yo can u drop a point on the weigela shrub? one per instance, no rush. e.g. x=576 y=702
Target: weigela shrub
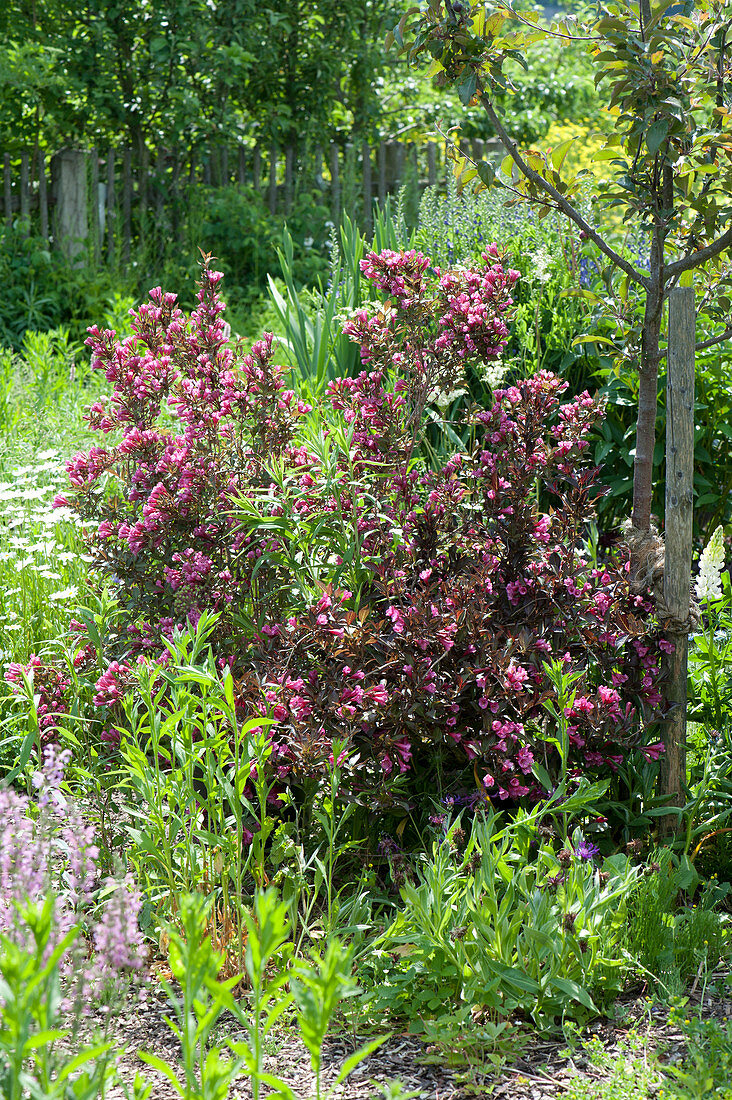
x=424 y=632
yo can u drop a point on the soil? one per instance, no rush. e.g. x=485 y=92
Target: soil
x=543 y=1070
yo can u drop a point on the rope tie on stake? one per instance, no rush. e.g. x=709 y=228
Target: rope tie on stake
x=647 y=559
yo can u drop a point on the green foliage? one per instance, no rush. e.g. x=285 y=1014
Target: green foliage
x=239 y=230
x=667 y=938
x=625 y=1074
x=707 y=1069
x=317 y=988
x=188 y=72
x=506 y=926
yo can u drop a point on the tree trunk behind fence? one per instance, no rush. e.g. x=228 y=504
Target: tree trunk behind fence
x=256 y=168
x=68 y=169
x=242 y=167
x=678 y=537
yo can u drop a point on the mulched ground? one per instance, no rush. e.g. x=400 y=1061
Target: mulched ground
x=543 y=1070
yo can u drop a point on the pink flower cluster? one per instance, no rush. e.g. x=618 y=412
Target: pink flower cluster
x=49 y=687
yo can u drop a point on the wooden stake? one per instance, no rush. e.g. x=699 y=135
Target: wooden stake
x=678 y=536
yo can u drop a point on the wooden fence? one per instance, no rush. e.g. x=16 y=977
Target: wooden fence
x=103 y=204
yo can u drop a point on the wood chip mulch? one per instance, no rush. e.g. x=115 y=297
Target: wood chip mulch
x=542 y=1071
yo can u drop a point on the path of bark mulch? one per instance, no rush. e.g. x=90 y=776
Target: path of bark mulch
x=543 y=1070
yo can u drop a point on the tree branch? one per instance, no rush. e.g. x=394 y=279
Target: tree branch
x=704 y=344
x=566 y=207
x=695 y=259
x=714 y=340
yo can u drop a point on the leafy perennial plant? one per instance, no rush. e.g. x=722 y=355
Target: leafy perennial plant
x=419 y=613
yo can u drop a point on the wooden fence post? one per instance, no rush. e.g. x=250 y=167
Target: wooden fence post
x=42 y=193
x=381 y=172
x=335 y=185
x=25 y=192
x=95 y=212
x=289 y=168
x=431 y=164
x=111 y=206
x=678 y=537
x=126 y=205
x=72 y=226
x=7 y=192
x=367 y=191
x=273 y=179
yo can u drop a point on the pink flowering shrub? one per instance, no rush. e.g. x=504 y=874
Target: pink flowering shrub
x=424 y=634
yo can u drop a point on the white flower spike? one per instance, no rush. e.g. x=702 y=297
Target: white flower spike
x=709 y=581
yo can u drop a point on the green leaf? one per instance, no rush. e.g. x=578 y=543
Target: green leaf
x=358 y=1056
x=466 y=88
x=656 y=135
x=575 y=991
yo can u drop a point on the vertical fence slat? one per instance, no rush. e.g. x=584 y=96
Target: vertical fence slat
x=42 y=193
x=678 y=535
x=95 y=219
x=431 y=164
x=381 y=168
x=160 y=188
x=367 y=193
x=401 y=156
x=111 y=207
x=7 y=192
x=272 y=194
x=175 y=219
x=126 y=205
x=25 y=190
x=335 y=185
x=289 y=166
x=143 y=193
x=71 y=217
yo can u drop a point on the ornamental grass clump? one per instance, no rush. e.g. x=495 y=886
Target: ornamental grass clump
x=360 y=593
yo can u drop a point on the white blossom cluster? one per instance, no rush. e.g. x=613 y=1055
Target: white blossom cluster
x=711 y=563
